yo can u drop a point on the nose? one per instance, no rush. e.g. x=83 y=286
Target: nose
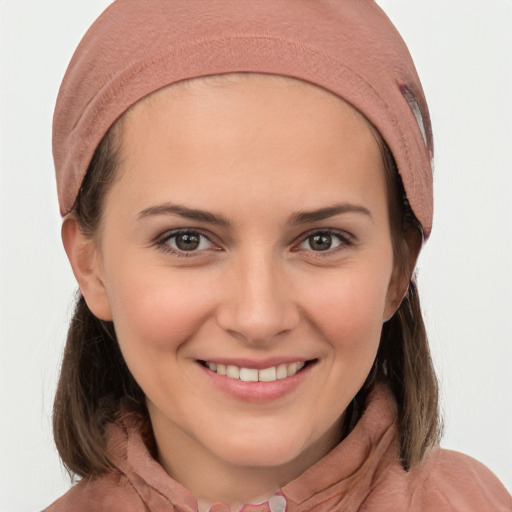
x=258 y=303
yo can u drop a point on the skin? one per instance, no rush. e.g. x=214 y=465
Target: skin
x=256 y=152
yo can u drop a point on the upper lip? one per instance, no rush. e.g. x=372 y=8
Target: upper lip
x=256 y=364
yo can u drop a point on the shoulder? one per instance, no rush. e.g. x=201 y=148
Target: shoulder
x=102 y=494
x=452 y=481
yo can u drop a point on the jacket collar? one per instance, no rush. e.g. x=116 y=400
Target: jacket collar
x=343 y=477
x=346 y=474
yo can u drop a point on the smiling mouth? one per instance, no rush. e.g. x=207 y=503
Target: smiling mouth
x=270 y=374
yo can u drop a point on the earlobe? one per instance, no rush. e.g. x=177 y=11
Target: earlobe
x=395 y=299
x=82 y=253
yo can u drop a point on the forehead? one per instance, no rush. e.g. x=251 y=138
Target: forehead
x=252 y=131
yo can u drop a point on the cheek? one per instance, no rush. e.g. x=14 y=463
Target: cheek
x=153 y=312
x=349 y=310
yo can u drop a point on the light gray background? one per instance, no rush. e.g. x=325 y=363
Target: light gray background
x=462 y=49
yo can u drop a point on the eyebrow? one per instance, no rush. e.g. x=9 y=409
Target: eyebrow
x=301 y=217
x=325 y=213
x=183 y=211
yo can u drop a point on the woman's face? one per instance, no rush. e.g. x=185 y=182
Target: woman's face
x=247 y=233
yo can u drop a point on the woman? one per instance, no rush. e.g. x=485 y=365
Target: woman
x=249 y=331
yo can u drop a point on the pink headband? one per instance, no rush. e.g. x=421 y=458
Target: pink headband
x=346 y=46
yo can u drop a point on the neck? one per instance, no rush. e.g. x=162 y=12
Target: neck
x=212 y=479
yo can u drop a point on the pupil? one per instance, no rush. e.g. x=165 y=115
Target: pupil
x=320 y=242
x=187 y=242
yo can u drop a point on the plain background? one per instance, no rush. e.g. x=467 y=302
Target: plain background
x=462 y=49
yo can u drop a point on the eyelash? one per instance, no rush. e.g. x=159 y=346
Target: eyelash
x=163 y=242
x=345 y=240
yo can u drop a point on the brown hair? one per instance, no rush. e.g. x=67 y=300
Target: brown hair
x=403 y=360
x=95 y=383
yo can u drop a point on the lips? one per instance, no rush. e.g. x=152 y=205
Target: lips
x=257 y=381
x=270 y=374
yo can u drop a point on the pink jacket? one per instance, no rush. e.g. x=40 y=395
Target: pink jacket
x=361 y=474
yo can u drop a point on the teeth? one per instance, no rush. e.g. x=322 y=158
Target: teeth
x=248 y=375
x=282 y=371
x=252 y=375
x=233 y=372
x=292 y=369
x=268 y=374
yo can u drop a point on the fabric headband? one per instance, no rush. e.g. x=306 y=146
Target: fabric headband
x=349 y=47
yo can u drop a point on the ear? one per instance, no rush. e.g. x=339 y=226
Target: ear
x=82 y=252
x=403 y=271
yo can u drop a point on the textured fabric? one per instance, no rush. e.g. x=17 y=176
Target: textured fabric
x=361 y=474
x=349 y=47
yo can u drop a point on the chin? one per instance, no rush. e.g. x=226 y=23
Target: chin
x=262 y=455
x=273 y=446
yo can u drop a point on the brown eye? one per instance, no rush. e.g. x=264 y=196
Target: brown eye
x=320 y=242
x=188 y=241
x=323 y=241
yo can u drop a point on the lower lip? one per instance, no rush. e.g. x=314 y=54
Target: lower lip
x=257 y=391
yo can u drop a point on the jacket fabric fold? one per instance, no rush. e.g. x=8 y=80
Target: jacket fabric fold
x=363 y=473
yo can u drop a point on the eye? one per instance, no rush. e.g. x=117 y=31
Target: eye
x=322 y=241
x=187 y=241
